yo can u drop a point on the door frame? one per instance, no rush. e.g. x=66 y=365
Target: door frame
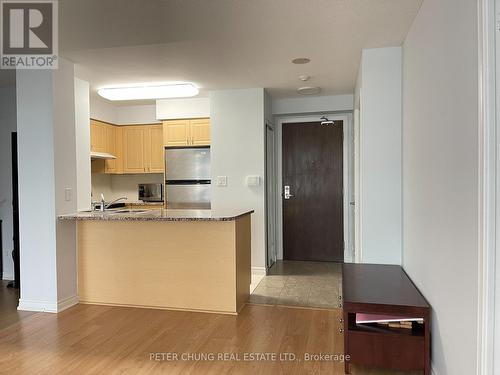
x=348 y=170
x=488 y=322
x=270 y=196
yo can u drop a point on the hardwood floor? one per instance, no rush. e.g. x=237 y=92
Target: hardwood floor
x=89 y=339
x=9 y=299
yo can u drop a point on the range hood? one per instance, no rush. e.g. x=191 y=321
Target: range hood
x=101 y=156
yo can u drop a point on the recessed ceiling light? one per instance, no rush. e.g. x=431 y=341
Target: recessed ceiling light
x=301 y=60
x=309 y=90
x=304 y=77
x=149 y=91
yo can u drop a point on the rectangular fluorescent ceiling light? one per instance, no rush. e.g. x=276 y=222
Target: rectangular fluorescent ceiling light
x=149 y=91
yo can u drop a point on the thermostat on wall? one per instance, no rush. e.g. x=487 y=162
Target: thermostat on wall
x=253 y=181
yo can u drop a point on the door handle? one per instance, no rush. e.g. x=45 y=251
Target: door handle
x=287 y=194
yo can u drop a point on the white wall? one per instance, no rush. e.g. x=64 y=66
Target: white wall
x=380 y=156
x=101 y=184
x=237 y=150
x=440 y=174
x=66 y=180
x=182 y=108
x=47 y=165
x=136 y=114
x=116 y=186
x=37 y=226
x=7 y=126
x=313 y=104
x=104 y=110
x=122 y=114
x=82 y=123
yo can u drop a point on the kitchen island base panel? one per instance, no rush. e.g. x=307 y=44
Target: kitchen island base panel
x=198 y=265
x=160 y=308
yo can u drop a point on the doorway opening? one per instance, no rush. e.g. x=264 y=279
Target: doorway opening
x=310 y=172
x=319 y=194
x=9 y=290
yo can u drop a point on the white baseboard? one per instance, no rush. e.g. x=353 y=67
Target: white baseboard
x=47 y=306
x=38 y=306
x=67 y=303
x=8 y=276
x=433 y=370
x=259 y=271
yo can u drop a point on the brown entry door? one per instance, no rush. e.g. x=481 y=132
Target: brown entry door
x=313 y=226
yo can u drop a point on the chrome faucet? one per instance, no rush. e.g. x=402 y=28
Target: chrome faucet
x=114 y=201
x=103 y=203
x=105 y=206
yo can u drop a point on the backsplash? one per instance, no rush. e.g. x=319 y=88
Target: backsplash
x=115 y=186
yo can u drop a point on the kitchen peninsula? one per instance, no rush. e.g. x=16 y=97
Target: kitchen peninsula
x=196 y=260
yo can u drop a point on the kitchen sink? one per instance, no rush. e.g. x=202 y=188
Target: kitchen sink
x=127 y=211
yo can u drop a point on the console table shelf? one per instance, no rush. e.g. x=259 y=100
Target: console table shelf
x=384 y=290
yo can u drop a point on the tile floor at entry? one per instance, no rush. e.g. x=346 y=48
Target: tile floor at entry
x=297 y=283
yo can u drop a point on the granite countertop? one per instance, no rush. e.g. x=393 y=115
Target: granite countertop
x=158 y=215
x=139 y=203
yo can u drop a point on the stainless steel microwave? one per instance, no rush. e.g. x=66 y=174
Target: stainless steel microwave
x=151 y=192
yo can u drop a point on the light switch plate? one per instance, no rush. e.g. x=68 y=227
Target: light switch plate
x=221 y=181
x=67 y=194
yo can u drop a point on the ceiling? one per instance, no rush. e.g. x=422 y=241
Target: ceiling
x=228 y=44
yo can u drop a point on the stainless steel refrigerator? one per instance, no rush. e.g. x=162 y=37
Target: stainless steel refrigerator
x=187 y=177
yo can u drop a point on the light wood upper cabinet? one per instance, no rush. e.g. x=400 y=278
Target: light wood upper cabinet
x=114 y=138
x=97 y=136
x=138 y=148
x=194 y=132
x=176 y=132
x=154 y=149
x=111 y=165
x=200 y=132
x=134 y=160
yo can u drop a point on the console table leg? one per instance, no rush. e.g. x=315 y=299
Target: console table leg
x=427 y=345
x=347 y=365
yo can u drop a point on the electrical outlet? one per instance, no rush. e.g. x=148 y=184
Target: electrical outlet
x=221 y=181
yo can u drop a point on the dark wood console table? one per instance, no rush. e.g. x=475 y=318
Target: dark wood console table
x=384 y=290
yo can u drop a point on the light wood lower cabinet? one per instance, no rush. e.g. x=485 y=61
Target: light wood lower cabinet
x=190 y=132
x=209 y=271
